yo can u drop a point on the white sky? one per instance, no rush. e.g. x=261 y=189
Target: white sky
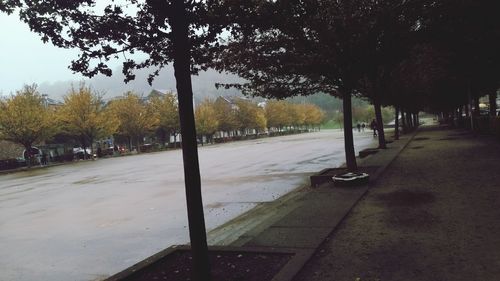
x=25 y=59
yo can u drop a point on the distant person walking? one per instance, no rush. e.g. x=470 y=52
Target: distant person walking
x=374 y=126
x=359 y=127
x=363 y=127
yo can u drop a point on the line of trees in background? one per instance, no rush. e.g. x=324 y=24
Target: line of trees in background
x=414 y=55
x=85 y=118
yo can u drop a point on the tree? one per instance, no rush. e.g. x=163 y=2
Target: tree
x=389 y=25
x=206 y=119
x=296 y=114
x=250 y=116
x=166 y=112
x=314 y=116
x=164 y=31
x=276 y=115
x=319 y=49
x=226 y=115
x=135 y=118
x=84 y=117
x=24 y=119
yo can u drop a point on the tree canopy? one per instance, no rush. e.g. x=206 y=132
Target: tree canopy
x=84 y=117
x=411 y=54
x=25 y=118
x=164 y=32
x=324 y=46
x=166 y=114
x=206 y=119
x=135 y=117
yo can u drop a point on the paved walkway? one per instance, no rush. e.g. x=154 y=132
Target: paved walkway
x=433 y=215
x=431 y=212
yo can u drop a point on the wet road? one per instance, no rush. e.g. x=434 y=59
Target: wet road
x=88 y=220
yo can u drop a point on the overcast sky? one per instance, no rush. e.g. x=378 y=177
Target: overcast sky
x=25 y=59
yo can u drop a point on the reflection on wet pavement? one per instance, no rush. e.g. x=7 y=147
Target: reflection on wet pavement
x=90 y=219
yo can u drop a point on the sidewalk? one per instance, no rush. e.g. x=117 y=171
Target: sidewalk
x=433 y=215
x=430 y=212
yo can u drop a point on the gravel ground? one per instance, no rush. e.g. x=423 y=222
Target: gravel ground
x=433 y=215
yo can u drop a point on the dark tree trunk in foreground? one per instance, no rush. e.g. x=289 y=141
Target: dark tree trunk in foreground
x=408 y=120
x=493 y=103
x=380 y=124
x=403 y=119
x=415 y=120
x=396 y=124
x=350 y=156
x=197 y=231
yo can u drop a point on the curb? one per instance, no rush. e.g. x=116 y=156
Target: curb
x=302 y=224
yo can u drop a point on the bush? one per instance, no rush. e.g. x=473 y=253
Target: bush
x=495 y=126
x=482 y=124
x=9 y=164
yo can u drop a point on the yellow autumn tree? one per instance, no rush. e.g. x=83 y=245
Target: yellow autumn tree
x=297 y=114
x=84 y=117
x=135 y=118
x=276 y=114
x=250 y=116
x=166 y=113
x=25 y=119
x=206 y=119
x=314 y=116
x=226 y=115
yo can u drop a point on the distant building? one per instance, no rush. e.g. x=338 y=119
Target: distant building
x=231 y=101
x=51 y=103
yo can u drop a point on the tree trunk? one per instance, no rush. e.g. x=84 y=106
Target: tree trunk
x=476 y=107
x=196 y=220
x=84 y=146
x=350 y=156
x=163 y=138
x=92 y=148
x=85 y=155
x=403 y=119
x=28 y=156
x=396 y=124
x=380 y=123
x=459 y=117
x=408 y=121
x=471 y=113
x=415 y=122
x=493 y=103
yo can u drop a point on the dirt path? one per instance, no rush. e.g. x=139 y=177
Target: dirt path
x=434 y=215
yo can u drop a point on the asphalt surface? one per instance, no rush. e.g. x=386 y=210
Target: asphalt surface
x=88 y=220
